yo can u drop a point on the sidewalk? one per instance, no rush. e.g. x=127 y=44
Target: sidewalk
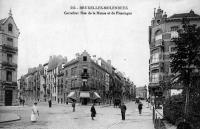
x=136 y=121
x=7 y=117
x=9 y=113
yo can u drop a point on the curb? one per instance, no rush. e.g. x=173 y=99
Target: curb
x=19 y=118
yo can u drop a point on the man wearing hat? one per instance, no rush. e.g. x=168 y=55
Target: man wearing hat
x=123 y=110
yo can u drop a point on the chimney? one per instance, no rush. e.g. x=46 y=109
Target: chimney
x=109 y=62
x=154 y=12
x=77 y=55
x=94 y=58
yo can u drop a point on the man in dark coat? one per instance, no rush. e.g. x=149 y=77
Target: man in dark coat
x=140 y=107
x=73 y=106
x=50 y=103
x=93 y=112
x=123 y=111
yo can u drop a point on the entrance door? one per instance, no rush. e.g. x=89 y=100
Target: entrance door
x=85 y=101
x=8 y=97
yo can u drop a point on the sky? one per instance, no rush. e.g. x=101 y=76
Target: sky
x=45 y=30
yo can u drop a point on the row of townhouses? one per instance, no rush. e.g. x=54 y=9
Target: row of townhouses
x=161 y=32
x=59 y=78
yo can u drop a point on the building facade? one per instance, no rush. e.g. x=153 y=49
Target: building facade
x=161 y=32
x=86 y=76
x=141 y=92
x=53 y=76
x=9 y=34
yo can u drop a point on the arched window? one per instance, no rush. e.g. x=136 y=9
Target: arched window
x=10 y=27
x=158 y=35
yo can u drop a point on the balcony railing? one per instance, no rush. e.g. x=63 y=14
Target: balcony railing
x=9 y=64
x=9 y=83
x=158 y=43
x=9 y=47
x=84 y=75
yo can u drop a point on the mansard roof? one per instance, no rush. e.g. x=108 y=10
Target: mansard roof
x=181 y=15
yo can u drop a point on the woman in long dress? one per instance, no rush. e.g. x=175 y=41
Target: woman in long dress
x=35 y=113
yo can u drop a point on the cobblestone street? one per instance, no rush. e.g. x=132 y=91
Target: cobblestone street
x=61 y=116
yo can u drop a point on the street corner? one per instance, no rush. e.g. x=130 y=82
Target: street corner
x=8 y=117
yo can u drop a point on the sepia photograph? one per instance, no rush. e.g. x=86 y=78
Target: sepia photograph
x=99 y=64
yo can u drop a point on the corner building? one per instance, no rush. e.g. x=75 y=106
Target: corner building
x=9 y=34
x=84 y=75
x=161 y=32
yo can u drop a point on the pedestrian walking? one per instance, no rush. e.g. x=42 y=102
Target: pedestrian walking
x=93 y=112
x=50 y=103
x=123 y=110
x=35 y=113
x=73 y=106
x=23 y=101
x=140 y=107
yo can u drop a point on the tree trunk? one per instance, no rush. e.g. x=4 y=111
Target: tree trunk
x=186 y=103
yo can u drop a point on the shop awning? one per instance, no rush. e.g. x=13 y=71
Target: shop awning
x=96 y=95
x=84 y=95
x=72 y=95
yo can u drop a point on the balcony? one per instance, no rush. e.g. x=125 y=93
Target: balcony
x=60 y=74
x=9 y=65
x=84 y=75
x=156 y=61
x=156 y=44
x=9 y=48
x=9 y=84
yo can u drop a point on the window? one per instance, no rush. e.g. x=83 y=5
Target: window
x=174 y=34
x=9 y=58
x=10 y=27
x=172 y=49
x=66 y=73
x=9 y=39
x=155 y=77
x=155 y=58
x=170 y=70
x=158 y=37
x=58 y=81
x=84 y=58
x=9 y=76
x=174 y=28
x=84 y=70
x=72 y=83
x=158 y=21
x=73 y=71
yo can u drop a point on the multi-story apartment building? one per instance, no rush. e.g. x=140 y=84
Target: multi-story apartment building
x=32 y=85
x=60 y=84
x=44 y=85
x=54 y=68
x=141 y=92
x=9 y=34
x=161 y=32
x=85 y=75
